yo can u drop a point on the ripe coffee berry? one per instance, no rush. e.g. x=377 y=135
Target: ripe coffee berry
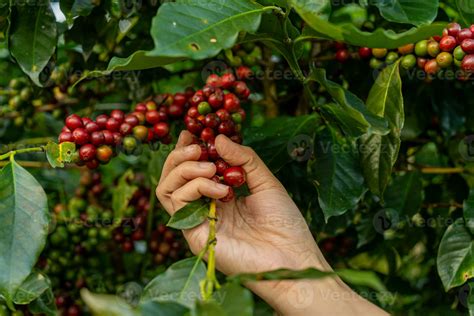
x=431 y=67
x=243 y=72
x=175 y=110
x=216 y=99
x=108 y=137
x=223 y=115
x=453 y=29
x=221 y=166
x=97 y=138
x=207 y=134
x=81 y=136
x=447 y=43
x=131 y=119
x=87 y=152
x=468 y=63
x=468 y=46
x=342 y=55
x=112 y=125
x=161 y=129
x=73 y=121
x=92 y=127
x=227 y=80
x=118 y=115
x=104 y=153
x=229 y=197
x=66 y=137
x=464 y=34
x=406 y=49
x=141 y=107
x=365 y=52
x=231 y=102
x=227 y=128
x=101 y=120
x=212 y=120
x=125 y=129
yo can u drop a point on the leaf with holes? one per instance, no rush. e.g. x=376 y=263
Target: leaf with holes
x=200 y=29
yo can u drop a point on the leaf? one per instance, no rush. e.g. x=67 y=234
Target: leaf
x=280 y=274
x=379 y=153
x=455 y=260
x=235 y=300
x=469 y=211
x=179 y=283
x=418 y=12
x=34 y=285
x=57 y=155
x=208 y=308
x=33 y=38
x=74 y=8
x=152 y=308
x=107 y=305
x=45 y=304
x=190 y=215
x=362 y=278
x=157 y=160
x=200 y=29
x=24 y=218
x=277 y=151
x=351 y=112
x=122 y=195
x=336 y=173
x=405 y=194
x=466 y=11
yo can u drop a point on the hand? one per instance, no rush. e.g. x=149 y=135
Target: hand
x=261 y=232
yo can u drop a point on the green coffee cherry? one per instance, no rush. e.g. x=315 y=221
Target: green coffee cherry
x=459 y=53
x=391 y=58
x=129 y=144
x=421 y=48
x=375 y=63
x=204 y=108
x=433 y=48
x=379 y=52
x=408 y=61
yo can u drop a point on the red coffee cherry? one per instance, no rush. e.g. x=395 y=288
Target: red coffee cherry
x=227 y=128
x=73 y=121
x=197 y=98
x=113 y=125
x=342 y=55
x=108 y=137
x=152 y=117
x=234 y=176
x=227 y=80
x=81 y=136
x=175 y=110
x=453 y=29
x=204 y=155
x=87 y=152
x=229 y=197
x=468 y=63
x=207 y=134
x=66 y=137
x=92 y=127
x=214 y=80
x=117 y=138
x=212 y=151
x=140 y=107
x=216 y=99
x=131 y=119
x=207 y=90
x=231 y=102
x=180 y=99
x=161 y=129
x=125 y=129
x=101 y=120
x=223 y=115
x=194 y=126
x=241 y=89
x=464 y=34
x=365 y=52
x=432 y=67
x=243 y=72
x=118 y=115
x=468 y=46
x=97 y=138
x=448 y=44
x=212 y=120
x=221 y=166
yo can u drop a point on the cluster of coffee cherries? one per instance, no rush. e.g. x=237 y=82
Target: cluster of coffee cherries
x=216 y=109
x=454 y=48
x=99 y=140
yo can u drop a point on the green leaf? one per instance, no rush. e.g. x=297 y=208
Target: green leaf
x=280 y=274
x=179 y=283
x=456 y=256
x=45 y=304
x=408 y=11
x=379 y=153
x=74 y=8
x=57 y=155
x=122 y=195
x=33 y=38
x=24 y=218
x=469 y=211
x=157 y=160
x=276 y=152
x=152 y=308
x=466 y=11
x=200 y=29
x=336 y=173
x=107 y=305
x=362 y=278
x=190 y=216
x=470 y=299
x=34 y=285
x=405 y=194
x=208 y=308
x=351 y=113
x=235 y=300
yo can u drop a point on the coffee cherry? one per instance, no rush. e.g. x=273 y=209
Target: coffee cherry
x=229 y=196
x=365 y=52
x=65 y=137
x=108 y=137
x=74 y=310
x=406 y=49
x=117 y=138
x=468 y=46
x=241 y=89
x=464 y=34
x=444 y=59
x=150 y=106
x=97 y=138
x=221 y=166
x=197 y=98
x=87 y=152
x=243 y=72
x=112 y=125
x=131 y=119
x=227 y=80
x=152 y=117
x=391 y=58
x=141 y=117
x=104 y=153
x=127 y=246
x=214 y=80
x=140 y=132
x=447 y=43
x=408 y=61
x=468 y=63
x=101 y=120
x=453 y=29
x=193 y=112
x=73 y=121
x=92 y=127
x=141 y=107
x=129 y=144
x=175 y=110
x=204 y=155
x=227 y=128
x=379 y=52
x=125 y=129
x=421 y=48
x=223 y=115
x=234 y=176
x=421 y=62
x=431 y=67
x=216 y=99
x=459 y=53
x=212 y=120
x=342 y=55
x=212 y=151
x=81 y=136
x=231 y=102
x=194 y=126
x=433 y=48
x=375 y=63
x=118 y=115
x=204 y=108
x=207 y=90
x=207 y=134
x=161 y=129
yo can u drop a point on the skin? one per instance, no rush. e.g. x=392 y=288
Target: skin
x=261 y=232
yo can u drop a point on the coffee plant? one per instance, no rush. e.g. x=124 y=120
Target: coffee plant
x=364 y=110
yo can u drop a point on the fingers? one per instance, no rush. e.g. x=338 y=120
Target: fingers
x=259 y=177
x=183 y=152
x=195 y=189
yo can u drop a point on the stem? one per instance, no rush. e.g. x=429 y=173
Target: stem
x=208 y=284
x=442 y=170
x=21 y=151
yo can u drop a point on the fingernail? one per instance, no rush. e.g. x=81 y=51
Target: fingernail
x=205 y=165
x=190 y=149
x=222 y=187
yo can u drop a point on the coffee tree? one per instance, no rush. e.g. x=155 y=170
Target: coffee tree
x=362 y=109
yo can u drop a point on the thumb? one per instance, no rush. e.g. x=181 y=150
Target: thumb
x=259 y=177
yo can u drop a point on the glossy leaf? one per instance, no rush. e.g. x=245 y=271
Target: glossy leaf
x=201 y=29
x=34 y=285
x=456 y=256
x=45 y=304
x=24 y=218
x=152 y=308
x=336 y=173
x=235 y=300
x=208 y=308
x=378 y=152
x=122 y=195
x=190 y=216
x=408 y=11
x=362 y=278
x=276 y=152
x=107 y=305
x=466 y=11
x=280 y=274
x=405 y=194
x=469 y=211
x=179 y=283
x=351 y=112
x=33 y=38
x=74 y=8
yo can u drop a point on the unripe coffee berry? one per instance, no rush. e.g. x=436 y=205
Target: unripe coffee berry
x=444 y=59
x=406 y=49
x=391 y=58
x=379 y=52
x=104 y=153
x=433 y=48
x=459 y=53
x=204 y=108
x=421 y=48
x=408 y=61
x=140 y=132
